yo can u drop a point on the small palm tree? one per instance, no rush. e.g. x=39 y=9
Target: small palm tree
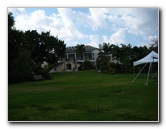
x=106 y=48
x=102 y=61
x=80 y=49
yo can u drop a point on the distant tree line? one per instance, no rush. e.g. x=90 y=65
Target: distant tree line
x=27 y=51
x=122 y=57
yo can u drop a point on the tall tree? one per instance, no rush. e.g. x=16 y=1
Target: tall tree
x=102 y=62
x=19 y=64
x=106 y=48
x=45 y=47
x=60 y=49
x=116 y=52
x=11 y=21
x=55 y=48
x=154 y=45
x=35 y=46
x=29 y=49
x=126 y=51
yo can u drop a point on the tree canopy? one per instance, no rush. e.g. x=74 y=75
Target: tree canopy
x=120 y=58
x=27 y=50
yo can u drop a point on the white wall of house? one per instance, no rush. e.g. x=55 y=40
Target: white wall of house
x=95 y=54
x=66 y=66
x=72 y=60
x=89 y=56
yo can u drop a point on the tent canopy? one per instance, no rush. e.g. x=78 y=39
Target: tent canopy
x=151 y=57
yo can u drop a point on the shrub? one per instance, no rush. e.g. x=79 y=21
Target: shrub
x=109 y=68
x=118 y=68
x=20 y=68
x=86 y=65
x=45 y=74
x=19 y=76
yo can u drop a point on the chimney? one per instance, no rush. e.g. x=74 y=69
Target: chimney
x=100 y=46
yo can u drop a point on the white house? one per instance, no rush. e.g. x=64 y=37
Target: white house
x=73 y=60
x=90 y=54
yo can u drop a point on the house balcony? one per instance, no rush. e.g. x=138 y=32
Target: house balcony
x=73 y=57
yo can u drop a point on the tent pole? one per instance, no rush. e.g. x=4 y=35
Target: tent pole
x=139 y=73
x=154 y=75
x=146 y=83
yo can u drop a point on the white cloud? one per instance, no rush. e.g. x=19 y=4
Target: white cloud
x=110 y=24
x=60 y=25
x=137 y=21
x=66 y=16
x=17 y=11
x=132 y=24
x=94 y=40
x=106 y=39
x=152 y=37
x=116 y=38
x=70 y=34
x=68 y=31
x=38 y=20
x=97 y=17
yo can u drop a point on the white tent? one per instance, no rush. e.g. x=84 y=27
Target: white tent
x=150 y=58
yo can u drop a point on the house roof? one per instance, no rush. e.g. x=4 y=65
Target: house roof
x=88 y=48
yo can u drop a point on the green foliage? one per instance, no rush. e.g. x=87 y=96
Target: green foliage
x=27 y=50
x=103 y=63
x=44 y=47
x=106 y=48
x=10 y=21
x=118 y=68
x=154 y=45
x=44 y=72
x=80 y=49
x=110 y=68
x=21 y=68
x=123 y=56
x=86 y=65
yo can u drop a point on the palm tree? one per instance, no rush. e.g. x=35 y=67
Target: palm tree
x=106 y=48
x=102 y=61
x=80 y=49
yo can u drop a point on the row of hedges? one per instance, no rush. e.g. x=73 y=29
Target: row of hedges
x=119 y=68
x=19 y=76
x=24 y=75
x=86 y=65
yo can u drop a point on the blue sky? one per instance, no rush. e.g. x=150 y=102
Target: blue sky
x=92 y=26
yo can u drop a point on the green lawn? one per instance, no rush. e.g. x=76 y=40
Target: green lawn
x=84 y=96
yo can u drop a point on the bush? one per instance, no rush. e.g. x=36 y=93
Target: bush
x=45 y=74
x=86 y=65
x=118 y=68
x=20 y=68
x=109 y=68
x=19 y=76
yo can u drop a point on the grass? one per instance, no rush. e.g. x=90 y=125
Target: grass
x=84 y=96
